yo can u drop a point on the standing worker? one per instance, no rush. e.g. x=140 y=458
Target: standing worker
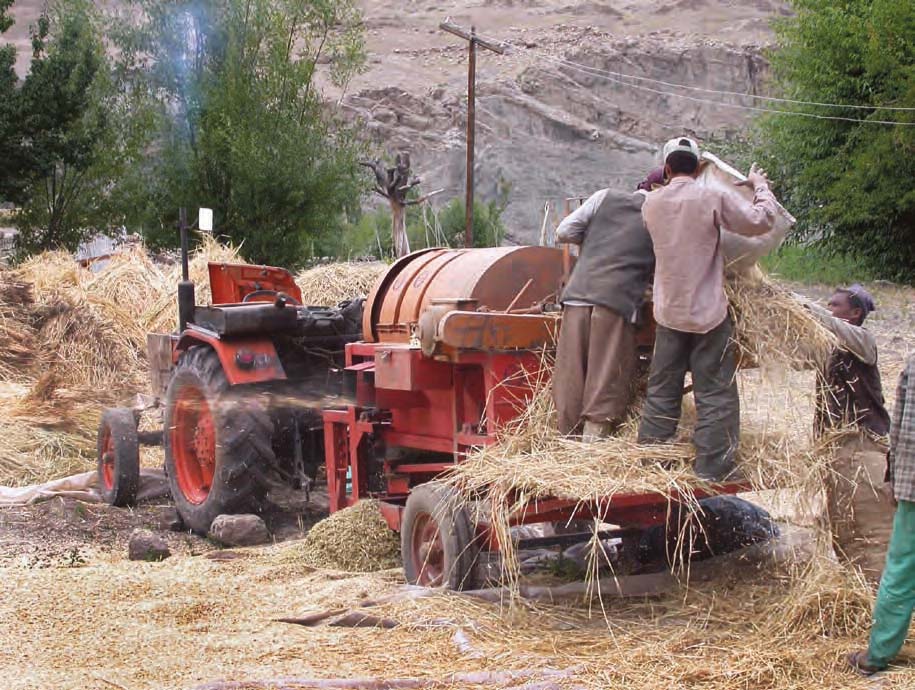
x=896 y=596
x=596 y=358
x=685 y=221
x=850 y=395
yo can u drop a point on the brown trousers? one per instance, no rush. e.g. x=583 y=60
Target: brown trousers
x=596 y=364
x=860 y=514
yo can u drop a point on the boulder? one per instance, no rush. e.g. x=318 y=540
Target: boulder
x=145 y=545
x=239 y=530
x=170 y=521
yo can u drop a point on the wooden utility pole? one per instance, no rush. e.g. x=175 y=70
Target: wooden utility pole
x=394 y=184
x=472 y=42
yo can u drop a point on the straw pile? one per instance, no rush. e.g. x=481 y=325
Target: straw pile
x=77 y=339
x=772 y=329
x=331 y=284
x=355 y=539
x=74 y=342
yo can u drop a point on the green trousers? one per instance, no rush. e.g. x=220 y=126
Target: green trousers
x=896 y=596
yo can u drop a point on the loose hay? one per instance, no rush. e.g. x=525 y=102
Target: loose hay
x=532 y=461
x=330 y=284
x=355 y=539
x=772 y=329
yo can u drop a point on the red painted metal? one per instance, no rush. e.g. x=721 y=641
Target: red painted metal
x=193 y=442
x=108 y=459
x=428 y=550
x=491 y=277
x=231 y=283
x=419 y=410
x=269 y=367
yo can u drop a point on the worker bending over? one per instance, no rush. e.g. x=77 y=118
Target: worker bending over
x=694 y=331
x=896 y=596
x=596 y=358
x=850 y=395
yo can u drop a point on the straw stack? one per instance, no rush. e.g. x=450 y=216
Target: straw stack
x=330 y=284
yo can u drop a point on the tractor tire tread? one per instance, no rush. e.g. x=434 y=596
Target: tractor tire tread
x=244 y=450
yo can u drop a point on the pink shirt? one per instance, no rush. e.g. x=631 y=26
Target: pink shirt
x=684 y=220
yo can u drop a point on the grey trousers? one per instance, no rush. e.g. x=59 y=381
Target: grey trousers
x=596 y=364
x=713 y=363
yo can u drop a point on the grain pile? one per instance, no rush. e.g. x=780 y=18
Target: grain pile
x=74 y=342
x=355 y=539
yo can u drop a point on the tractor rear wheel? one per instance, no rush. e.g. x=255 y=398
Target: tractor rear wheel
x=118 y=457
x=217 y=442
x=437 y=539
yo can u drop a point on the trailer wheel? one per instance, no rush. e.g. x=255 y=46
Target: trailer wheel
x=436 y=539
x=118 y=457
x=217 y=443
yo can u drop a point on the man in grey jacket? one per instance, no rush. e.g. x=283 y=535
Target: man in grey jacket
x=850 y=396
x=596 y=359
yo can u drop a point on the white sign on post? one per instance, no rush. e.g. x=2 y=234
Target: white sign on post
x=205 y=220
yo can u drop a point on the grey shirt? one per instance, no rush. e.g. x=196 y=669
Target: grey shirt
x=616 y=260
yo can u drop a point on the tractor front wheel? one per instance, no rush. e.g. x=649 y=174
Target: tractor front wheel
x=217 y=442
x=118 y=457
x=437 y=539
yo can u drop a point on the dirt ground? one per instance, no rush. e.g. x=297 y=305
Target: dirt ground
x=75 y=613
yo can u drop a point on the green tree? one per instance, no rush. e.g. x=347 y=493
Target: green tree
x=10 y=138
x=243 y=126
x=65 y=127
x=849 y=183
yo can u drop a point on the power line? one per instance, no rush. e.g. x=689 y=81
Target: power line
x=772 y=99
x=619 y=77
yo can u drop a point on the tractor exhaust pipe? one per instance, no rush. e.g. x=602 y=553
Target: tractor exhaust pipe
x=185 y=287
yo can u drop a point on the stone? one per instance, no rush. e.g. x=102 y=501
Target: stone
x=239 y=530
x=170 y=521
x=145 y=545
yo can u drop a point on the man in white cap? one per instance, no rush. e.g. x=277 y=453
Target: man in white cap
x=694 y=331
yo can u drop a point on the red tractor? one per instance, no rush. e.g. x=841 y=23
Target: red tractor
x=446 y=349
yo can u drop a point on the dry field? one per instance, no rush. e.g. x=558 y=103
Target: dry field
x=77 y=614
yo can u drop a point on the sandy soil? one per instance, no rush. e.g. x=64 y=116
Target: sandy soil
x=75 y=613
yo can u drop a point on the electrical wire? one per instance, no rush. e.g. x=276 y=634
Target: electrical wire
x=619 y=78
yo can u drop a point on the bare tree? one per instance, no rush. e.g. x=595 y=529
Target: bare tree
x=394 y=184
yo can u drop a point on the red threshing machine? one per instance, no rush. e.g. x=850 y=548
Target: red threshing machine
x=450 y=347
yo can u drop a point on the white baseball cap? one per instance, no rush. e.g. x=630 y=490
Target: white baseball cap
x=680 y=144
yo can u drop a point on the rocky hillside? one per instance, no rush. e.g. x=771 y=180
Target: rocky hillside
x=547 y=129
x=544 y=129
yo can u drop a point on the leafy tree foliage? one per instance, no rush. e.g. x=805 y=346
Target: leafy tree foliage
x=370 y=234
x=10 y=140
x=60 y=130
x=849 y=182
x=242 y=126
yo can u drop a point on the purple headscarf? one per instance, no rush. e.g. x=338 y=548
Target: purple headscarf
x=654 y=178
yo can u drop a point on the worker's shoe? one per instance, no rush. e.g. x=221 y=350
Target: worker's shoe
x=718 y=470
x=861 y=665
x=596 y=431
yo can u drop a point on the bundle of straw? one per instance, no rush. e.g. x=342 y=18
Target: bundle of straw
x=17 y=334
x=33 y=451
x=772 y=329
x=330 y=284
x=532 y=461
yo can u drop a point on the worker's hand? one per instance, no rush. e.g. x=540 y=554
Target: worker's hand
x=756 y=177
